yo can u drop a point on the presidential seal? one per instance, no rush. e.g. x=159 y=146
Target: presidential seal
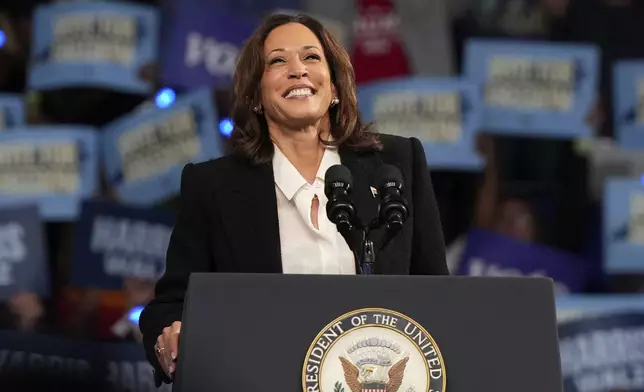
x=373 y=350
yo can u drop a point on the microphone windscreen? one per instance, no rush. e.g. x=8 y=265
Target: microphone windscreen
x=389 y=174
x=337 y=176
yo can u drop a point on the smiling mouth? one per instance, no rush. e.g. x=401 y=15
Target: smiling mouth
x=298 y=93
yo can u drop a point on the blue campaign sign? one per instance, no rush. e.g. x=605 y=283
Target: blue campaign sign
x=146 y=151
x=201 y=42
x=444 y=114
x=115 y=242
x=623 y=226
x=23 y=258
x=127 y=369
x=628 y=104
x=32 y=362
x=577 y=306
x=603 y=353
x=534 y=89
x=37 y=362
x=54 y=166
x=489 y=254
x=12 y=111
x=101 y=45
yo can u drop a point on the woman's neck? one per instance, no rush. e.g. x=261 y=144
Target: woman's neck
x=302 y=148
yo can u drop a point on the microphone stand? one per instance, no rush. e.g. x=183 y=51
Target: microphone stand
x=366 y=251
x=368 y=257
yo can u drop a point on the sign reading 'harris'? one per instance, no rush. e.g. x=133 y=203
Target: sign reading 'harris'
x=114 y=242
x=375 y=350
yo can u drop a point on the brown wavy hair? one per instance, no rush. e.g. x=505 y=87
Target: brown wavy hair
x=250 y=136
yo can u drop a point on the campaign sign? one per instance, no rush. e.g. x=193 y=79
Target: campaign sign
x=54 y=166
x=115 y=242
x=444 y=114
x=628 y=104
x=534 y=89
x=93 y=45
x=30 y=362
x=146 y=151
x=45 y=363
x=127 y=369
x=201 y=44
x=603 y=353
x=12 y=111
x=623 y=212
x=578 y=306
x=490 y=254
x=23 y=264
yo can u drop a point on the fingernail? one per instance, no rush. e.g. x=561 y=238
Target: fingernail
x=171 y=369
x=174 y=356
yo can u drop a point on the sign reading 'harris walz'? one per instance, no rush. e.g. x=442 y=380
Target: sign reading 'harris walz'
x=146 y=151
x=373 y=350
x=114 y=242
x=93 y=45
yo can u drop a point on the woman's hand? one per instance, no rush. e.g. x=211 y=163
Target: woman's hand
x=167 y=347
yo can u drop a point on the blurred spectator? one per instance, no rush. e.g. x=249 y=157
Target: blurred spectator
x=510 y=216
x=24 y=311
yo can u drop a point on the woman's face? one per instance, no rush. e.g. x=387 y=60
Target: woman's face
x=296 y=87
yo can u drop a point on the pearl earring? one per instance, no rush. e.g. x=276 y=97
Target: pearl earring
x=335 y=101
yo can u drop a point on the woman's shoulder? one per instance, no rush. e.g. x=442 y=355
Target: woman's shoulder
x=398 y=148
x=214 y=169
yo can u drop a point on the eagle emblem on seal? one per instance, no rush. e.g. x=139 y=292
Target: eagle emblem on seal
x=375 y=372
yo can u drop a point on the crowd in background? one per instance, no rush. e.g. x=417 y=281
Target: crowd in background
x=538 y=190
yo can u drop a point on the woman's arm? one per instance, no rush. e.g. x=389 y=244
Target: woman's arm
x=187 y=253
x=428 y=244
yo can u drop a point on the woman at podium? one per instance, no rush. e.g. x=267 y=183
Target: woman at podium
x=264 y=209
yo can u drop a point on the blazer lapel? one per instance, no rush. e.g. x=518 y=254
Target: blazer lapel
x=249 y=217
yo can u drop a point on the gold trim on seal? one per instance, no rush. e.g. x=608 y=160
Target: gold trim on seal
x=374 y=310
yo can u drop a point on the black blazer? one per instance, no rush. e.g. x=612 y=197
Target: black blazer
x=228 y=223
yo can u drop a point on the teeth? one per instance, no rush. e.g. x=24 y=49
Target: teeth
x=300 y=92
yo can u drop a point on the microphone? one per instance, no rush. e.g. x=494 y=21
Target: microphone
x=338 y=184
x=393 y=206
